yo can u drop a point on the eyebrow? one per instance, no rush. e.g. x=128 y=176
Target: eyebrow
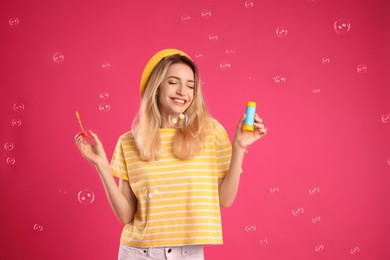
x=180 y=78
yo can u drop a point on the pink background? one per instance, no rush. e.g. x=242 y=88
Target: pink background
x=316 y=187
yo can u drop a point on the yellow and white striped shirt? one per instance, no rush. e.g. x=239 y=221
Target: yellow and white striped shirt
x=177 y=200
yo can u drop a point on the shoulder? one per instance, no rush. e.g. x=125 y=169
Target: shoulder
x=126 y=137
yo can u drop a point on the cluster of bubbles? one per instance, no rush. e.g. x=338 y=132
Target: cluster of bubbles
x=104 y=106
x=16 y=122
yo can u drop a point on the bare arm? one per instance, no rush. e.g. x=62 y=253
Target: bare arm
x=122 y=199
x=228 y=186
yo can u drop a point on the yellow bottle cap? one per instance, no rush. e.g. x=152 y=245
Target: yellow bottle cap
x=251 y=104
x=248 y=128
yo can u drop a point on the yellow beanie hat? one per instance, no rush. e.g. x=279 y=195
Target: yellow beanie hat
x=152 y=64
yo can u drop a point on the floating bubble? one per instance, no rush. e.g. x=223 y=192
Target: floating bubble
x=106 y=65
x=104 y=107
x=316 y=91
x=263 y=242
x=314 y=190
x=13 y=21
x=8 y=146
x=250 y=228
x=104 y=96
x=38 y=228
x=325 y=60
x=355 y=250
x=361 y=68
x=213 y=37
x=319 y=248
x=225 y=66
x=274 y=190
x=281 y=32
x=206 y=14
x=63 y=191
x=16 y=122
x=58 y=57
x=385 y=118
x=185 y=18
x=152 y=193
x=248 y=4
x=316 y=220
x=10 y=160
x=177 y=121
x=18 y=107
x=280 y=80
x=86 y=197
x=230 y=51
x=199 y=56
x=297 y=211
x=342 y=26
x=388 y=160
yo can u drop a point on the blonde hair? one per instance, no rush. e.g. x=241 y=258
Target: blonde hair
x=188 y=140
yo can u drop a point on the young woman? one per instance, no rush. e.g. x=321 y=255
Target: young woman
x=176 y=167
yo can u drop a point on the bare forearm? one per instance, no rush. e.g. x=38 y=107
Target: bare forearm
x=229 y=186
x=119 y=204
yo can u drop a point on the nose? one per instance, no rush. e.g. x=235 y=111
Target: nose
x=180 y=89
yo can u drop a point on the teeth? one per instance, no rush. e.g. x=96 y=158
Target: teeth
x=179 y=101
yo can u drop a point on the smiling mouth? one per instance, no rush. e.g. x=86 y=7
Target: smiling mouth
x=179 y=101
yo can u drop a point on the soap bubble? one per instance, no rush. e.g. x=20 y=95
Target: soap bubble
x=316 y=220
x=213 y=37
x=206 y=14
x=274 y=190
x=86 y=196
x=104 y=107
x=106 y=65
x=316 y=91
x=18 y=107
x=385 y=118
x=8 y=146
x=248 y=4
x=185 y=18
x=325 y=60
x=16 y=122
x=38 y=227
x=13 y=21
x=281 y=31
x=104 y=96
x=319 y=248
x=10 y=160
x=388 y=160
x=58 y=57
x=361 y=68
x=250 y=228
x=297 y=211
x=314 y=190
x=225 y=66
x=342 y=26
x=354 y=250
x=177 y=121
x=152 y=193
x=230 y=51
x=263 y=242
x=199 y=56
x=280 y=80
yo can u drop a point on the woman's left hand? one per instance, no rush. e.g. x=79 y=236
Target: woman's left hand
x=244 y=139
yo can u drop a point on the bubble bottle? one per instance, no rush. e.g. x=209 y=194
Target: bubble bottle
x=250 y=117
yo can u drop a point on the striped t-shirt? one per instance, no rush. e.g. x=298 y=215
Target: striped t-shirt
x=177 y=200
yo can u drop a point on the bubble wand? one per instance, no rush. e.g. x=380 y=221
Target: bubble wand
x=81 y=125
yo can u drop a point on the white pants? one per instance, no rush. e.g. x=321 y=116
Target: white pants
x=190 y=252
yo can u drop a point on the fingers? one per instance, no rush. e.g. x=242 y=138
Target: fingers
x=95 y=137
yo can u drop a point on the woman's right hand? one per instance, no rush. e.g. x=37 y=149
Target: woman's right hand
x=92 y=151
